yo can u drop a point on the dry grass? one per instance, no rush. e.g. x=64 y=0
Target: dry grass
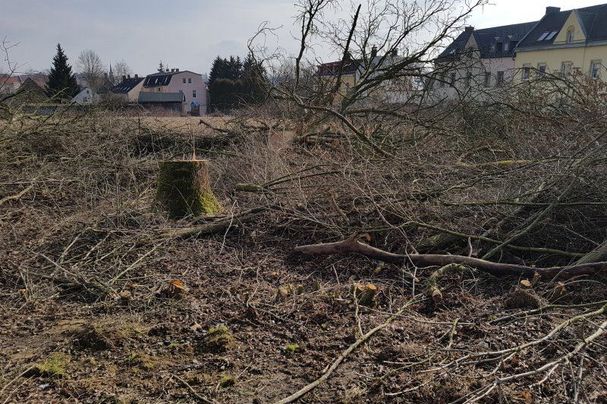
x=86 y=263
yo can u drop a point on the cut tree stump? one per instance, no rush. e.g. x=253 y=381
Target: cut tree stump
x=184 y=189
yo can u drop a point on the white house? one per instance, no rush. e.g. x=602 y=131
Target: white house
x=86 y=97
x=478 y=61
x=174 y=81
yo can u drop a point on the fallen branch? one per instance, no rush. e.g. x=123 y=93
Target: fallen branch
x=214 y=227
x=16 y=196
x=353 y=246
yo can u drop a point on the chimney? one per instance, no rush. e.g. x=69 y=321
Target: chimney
x=128 y=76
x=167 y=71
x=136 y=76
x=373 y=52
x=552 y=10
x=177 y=70
x=394 y=53
x=469 y=29
x=123 y=78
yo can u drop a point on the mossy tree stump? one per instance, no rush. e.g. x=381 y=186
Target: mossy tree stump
x=184 y=189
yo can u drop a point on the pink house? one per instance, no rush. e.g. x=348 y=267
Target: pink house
x=173 y=82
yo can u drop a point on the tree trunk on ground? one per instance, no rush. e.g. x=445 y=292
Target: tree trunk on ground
x=184 y=189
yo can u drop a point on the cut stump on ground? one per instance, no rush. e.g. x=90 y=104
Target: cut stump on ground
x=184 y=189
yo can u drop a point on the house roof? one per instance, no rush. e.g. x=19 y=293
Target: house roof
x=163 y=78
x=487 y=40
x=126 y=85
x=593 y=20
x=332 y=69
x=160 y=98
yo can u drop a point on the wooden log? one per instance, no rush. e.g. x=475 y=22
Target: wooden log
x=353 y=246
x=184 y=189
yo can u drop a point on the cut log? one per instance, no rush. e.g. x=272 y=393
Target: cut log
x=184 y=189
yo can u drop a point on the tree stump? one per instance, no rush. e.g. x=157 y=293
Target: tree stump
x=184 y=189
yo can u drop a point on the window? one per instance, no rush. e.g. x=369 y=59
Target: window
x=184 y=81
x=194 y=93
x=526 y=72
x=190 y=81
x=551 y=35
x=499 y=47
x=566 y=68
x=595 y=69
x=543 y=36
x=506 y=46
x=500 y=79
x=570 y=34
x=487 y=79
x=541 y=68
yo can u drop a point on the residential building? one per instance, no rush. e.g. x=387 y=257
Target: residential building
x=129 y=88
x=174 y=81
x=478 y=60
x=564 y=42
x=86 y=96
x=163 y=102
x=10 y=84
x=397 y=90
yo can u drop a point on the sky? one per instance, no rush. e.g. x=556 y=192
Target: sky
x=185 y=34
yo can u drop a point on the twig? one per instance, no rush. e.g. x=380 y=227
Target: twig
x=297 y=395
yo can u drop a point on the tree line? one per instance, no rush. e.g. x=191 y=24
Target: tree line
x=234 y=83
x=62 y=81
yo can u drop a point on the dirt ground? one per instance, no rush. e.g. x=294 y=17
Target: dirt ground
x=96 y=306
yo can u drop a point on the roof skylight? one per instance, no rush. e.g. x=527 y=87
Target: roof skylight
x=543 y=36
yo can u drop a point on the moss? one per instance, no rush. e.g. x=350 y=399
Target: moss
x=292 y=348
x=54 y=366
x=142 y=361
x=218 y=339
x=227 y=381
x=184 y=189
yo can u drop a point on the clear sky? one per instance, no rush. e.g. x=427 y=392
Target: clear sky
x=182 y=33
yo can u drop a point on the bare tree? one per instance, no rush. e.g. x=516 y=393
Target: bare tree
x=91 y=67
x=121 y=69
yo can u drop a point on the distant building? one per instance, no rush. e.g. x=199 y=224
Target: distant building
x=86 y=97
x=565 y=42
x=30 y=92
x=129 y=88
x=478 y=60
x=174 y=81
x=163 y=102
x=9 y=84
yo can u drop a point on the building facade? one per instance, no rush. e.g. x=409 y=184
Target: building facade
x=565 y=42
x=174 y=81
x=478 y=61
x=128 y=89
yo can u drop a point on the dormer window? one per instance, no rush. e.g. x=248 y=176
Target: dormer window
x=570 y=34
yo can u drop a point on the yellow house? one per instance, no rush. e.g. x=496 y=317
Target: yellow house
x=564 y=42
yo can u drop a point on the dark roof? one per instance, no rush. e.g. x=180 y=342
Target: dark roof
x=160 y=98
x=487 y=40
x=158 y=79
x=126 y=85
x=593 y=20
x=332 y=69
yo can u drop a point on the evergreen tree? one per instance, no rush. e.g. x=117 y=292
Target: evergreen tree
x=233 y=83
x=61 y=81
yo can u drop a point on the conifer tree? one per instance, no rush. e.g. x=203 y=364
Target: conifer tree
x=61 y=81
